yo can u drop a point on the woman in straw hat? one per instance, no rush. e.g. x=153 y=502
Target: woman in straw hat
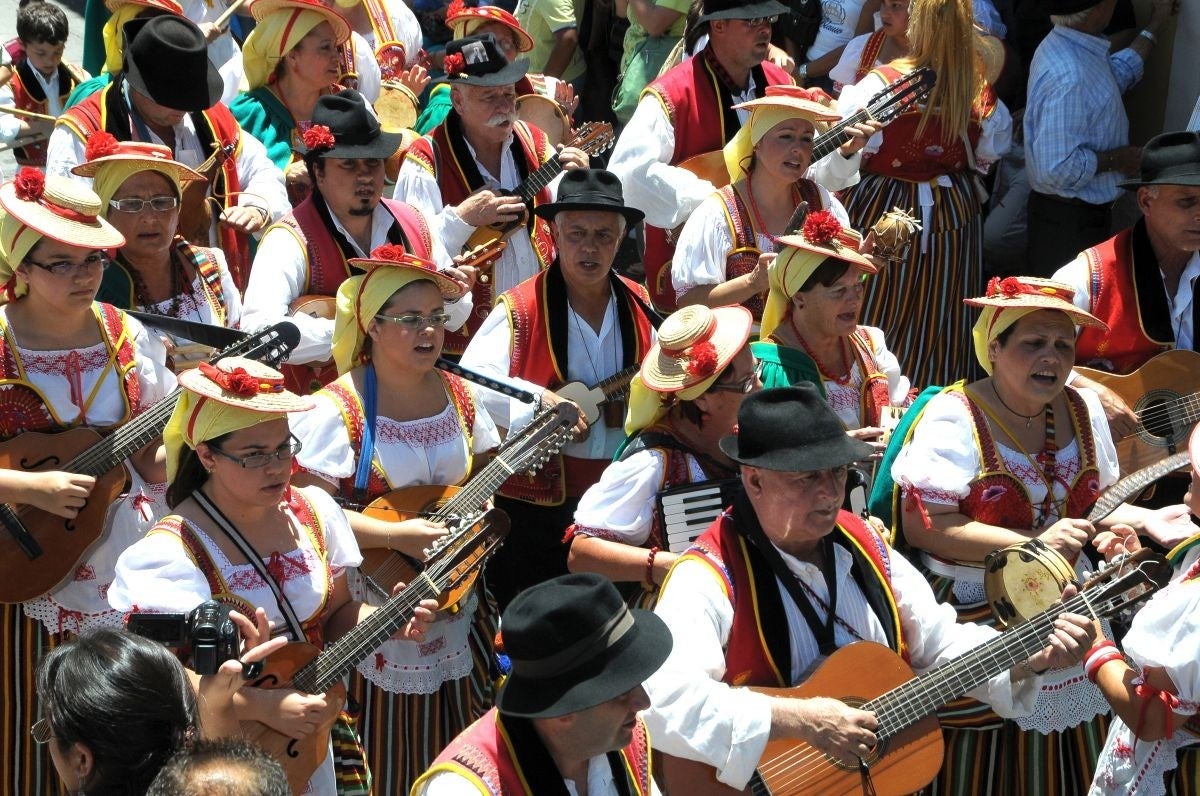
x=810 y=329
x=684 y=399
x=1014 y=456
x=1157 y=691
x=69 y=362
x=292 y=57
x=140 y=188
x=427 y=428
x=725 y=245
x=921 y=161
x=229 y=457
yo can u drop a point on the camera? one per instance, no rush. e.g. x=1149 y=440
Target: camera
x=205 y=637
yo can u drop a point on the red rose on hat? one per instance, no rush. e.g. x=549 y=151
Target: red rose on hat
x=454 y=64
x=390 y=252
x=319 y=137
x=702 y=360
x=821 y=227
x=30 y=184
x=101 y=144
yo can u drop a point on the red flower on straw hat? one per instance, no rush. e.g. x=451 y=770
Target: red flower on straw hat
x=454 y=64
x=821 y=227
x=101 y=144
x=391 y=253
x=30 y=184
x=702 y=360
x=455 y=8
x=319 y=137
x=1008 y=287
x=236 y=381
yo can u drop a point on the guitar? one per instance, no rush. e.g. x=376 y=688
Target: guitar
x=38 y=550
x=1165 y=395
x=591 y=399
x=592 y=137
x=872 y=677
x=891 y=101
x=545 y=436
x=453 y=565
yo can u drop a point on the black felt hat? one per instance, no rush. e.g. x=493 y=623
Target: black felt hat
x=574 y=644
x=166 y=58
x=1169 y=159
x=355 y=128
x=590 y=189
x=479 y=61
x=791 y=429
x=740 y=9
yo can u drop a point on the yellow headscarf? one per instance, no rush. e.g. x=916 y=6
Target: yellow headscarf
x=786 y=275
x=274 y=37
x=16 y=241
x=780 y=104
x=114 y=39
x=648 y=406
x=991 y=324
x=198 y=418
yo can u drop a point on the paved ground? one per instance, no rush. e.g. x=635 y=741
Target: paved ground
x=8 y=24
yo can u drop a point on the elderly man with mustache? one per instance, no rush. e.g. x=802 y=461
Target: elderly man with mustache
x=463 y=172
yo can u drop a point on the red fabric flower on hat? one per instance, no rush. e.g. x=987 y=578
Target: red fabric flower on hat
x=454 y=64
x=702 y=360
x=101 y=144
x=1008 y=287
x=319 y=137
x=455 y=8
x=821 y=227
x=390 y=252
x=236 y=381
x=30 y=184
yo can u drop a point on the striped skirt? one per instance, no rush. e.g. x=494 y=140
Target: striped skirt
x=987 y=754
x=918 y=302
x=25 y=767
x=403 y=733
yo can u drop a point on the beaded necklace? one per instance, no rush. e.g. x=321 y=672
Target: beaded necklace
x=825 y=372
x=1044 y=463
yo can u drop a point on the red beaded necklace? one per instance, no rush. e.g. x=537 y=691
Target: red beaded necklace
x=825 y=372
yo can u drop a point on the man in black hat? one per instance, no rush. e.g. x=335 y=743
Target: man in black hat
x=464 y=171
x=566 y=719
x=689 y=112
x=576 y=321
x=168 y=92
x=1076 y=131
x=750 y=603
x=345 y=216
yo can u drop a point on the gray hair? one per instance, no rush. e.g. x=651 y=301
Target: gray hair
x=1071 y=20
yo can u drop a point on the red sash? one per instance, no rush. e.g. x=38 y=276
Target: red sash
x=875 y=393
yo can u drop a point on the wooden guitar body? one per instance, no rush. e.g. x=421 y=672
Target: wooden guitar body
x=1165 y=395
x=854 y=674
x=387 y=567
x=300 y=758
x=314 y=306
x=62 y=541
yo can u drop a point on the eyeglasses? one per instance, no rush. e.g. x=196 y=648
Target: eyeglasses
x=284 y=453
x=66 y=267
x=41 y=731
x=159 y=204
x=415 y=322
x=745 y=386
x=757 y=22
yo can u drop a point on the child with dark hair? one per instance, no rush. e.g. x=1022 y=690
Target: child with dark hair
x=41 y=80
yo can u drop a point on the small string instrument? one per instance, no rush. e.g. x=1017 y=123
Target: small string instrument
x=196 y=205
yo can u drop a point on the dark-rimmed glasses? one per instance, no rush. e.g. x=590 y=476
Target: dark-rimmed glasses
x=69 y=268
x=415 y=322
x=284 y=453
x=159 y=204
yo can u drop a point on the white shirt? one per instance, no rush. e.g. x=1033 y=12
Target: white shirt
x=591 y=356
x=1077 y=275
x=261 y=180
x=696 y=716
x=223 y=52
x=280 y=276
x=668 y=194
x=366 y=66
x=600 y=783
x=404 y=25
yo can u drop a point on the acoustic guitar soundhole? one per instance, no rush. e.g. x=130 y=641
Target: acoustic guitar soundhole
x=1156 y=411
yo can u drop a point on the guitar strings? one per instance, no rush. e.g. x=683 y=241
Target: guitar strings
x=1189 y=404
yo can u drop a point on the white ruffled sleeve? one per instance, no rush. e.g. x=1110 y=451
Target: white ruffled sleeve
x=340 y=545
x=703 y=248
x=898 y=383
x=620 y=506
x=484 y=435
x=157 y=575
x=846 y=69
x=1166 y=634
x=1106 y=450
x=326 y=453
x=154 y=377
x=940 y=460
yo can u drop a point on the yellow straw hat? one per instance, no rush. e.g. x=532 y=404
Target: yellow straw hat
x=233 y=394
x=1010 y=299
x=281 y=26
x=694 y=345
x=111 y=162
x=778 y=104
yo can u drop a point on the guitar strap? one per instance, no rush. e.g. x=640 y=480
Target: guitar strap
x=366 y=450
x=252 y=556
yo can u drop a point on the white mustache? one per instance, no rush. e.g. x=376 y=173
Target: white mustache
x=502 y=118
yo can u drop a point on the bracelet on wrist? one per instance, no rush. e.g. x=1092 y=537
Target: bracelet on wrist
x=649 y=579
x=1146 y=34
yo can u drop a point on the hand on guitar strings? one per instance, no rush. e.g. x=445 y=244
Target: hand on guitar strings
x=1072 y=637
x=215 y=692
x=413 y=537
x=828 y=725
x=485 y=207
x=858 y=134
x=1122 y=421
x=424 y=615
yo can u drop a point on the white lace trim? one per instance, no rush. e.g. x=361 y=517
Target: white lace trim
x=1124 y=767
x=1066 y=699
x=57 y=619
x=405 y=668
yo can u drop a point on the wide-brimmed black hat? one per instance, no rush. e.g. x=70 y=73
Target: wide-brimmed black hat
x=574 y=644
x=479 y=61
x=590 y=189
x=354 y=126
x=1169 y=159
x=166 y=58
x=740 y=9
x=791 y=429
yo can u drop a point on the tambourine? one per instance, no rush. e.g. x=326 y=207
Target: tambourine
x=546 y=115
x=1023 y=580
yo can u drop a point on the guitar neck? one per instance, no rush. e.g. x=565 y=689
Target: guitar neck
x=539 y=179
x=617 y=385
x=834 y=137
x=125 y=441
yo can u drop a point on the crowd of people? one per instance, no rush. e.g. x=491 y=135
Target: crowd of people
x=660 y=285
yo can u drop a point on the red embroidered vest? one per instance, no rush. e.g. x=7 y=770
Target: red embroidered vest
x=22 y=405
x=328 y=269
x=870 y=55
x=691 y=97
x=215 y=124
x=484 y=754
x=903 y=156
x=748 y=660
x=25 y=92
x=743 y=257
x=533 y=359
x=999 y=498
x=874 y=391
x=436 y=153
x=1126 y=344
x=348 y=401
